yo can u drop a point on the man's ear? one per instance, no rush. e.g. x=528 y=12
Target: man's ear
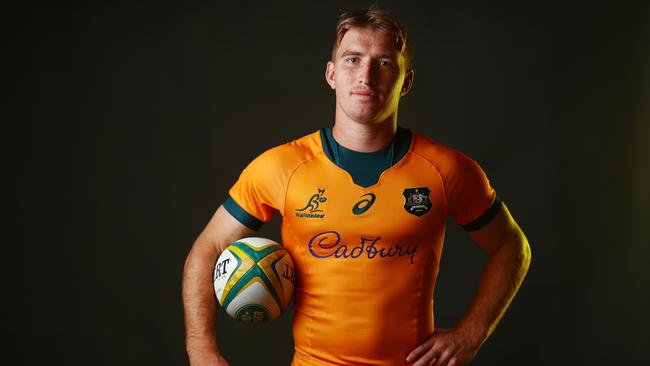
x=329 y=74
x=408 y=82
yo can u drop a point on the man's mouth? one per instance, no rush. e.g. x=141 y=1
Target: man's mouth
x=364 y=93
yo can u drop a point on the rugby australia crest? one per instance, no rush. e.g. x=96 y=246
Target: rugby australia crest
x=417 y=200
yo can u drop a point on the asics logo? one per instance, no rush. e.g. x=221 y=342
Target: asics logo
x=363 y=205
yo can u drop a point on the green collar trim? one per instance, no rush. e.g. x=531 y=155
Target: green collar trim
x=366 y=168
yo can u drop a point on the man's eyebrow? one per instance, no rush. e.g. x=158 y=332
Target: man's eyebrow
x=350 y=53
x=357 y=53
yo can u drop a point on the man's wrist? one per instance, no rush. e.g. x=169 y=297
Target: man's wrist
x=475 y=332
x=201 y=347
x=205 y=356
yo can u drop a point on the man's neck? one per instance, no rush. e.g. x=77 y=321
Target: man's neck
x=364 y=137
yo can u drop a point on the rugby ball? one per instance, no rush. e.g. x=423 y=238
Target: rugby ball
x=254 y=280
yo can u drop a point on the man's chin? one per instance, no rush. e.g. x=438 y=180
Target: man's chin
x=366 y=120
x=366 y=117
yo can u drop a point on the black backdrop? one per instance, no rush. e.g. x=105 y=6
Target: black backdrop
x=130 y=122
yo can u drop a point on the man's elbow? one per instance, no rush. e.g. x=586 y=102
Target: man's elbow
x=200 y=255
x=524 y=254
x=515 y=251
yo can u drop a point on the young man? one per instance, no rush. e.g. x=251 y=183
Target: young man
x=363 y=207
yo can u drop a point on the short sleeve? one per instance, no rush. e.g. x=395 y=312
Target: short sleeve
x=258 y=193
x=471 y=200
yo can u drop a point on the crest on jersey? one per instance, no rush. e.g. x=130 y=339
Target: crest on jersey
x=417 y=200
x=312 y=208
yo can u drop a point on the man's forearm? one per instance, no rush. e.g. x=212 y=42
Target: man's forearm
x=501 y=278
x=199 y=303
x=199 y=300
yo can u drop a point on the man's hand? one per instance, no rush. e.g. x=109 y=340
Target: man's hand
x=509 y=259
x=445 y=348
x=222 y=362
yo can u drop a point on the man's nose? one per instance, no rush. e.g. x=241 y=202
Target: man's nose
x=367 y=73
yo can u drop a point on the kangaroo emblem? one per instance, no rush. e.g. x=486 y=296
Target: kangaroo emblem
x=314 y=201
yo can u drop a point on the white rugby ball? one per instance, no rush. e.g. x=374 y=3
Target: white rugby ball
x=254 y=280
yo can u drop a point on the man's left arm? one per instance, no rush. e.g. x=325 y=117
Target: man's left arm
x=509 y=260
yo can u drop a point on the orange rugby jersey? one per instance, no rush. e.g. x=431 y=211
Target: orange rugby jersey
x=366 y=257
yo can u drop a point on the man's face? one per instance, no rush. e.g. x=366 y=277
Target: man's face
x=368 y=75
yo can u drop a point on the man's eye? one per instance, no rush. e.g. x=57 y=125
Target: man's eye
x=385 y=63
x=352 y=60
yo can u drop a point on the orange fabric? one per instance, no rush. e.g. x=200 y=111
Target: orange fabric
x=365 y=280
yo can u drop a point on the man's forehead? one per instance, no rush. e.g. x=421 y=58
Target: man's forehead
x=364 y=40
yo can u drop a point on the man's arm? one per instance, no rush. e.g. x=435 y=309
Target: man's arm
x=509 y=260
x=199 y=299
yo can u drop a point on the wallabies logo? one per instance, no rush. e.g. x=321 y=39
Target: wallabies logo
x=311 y=209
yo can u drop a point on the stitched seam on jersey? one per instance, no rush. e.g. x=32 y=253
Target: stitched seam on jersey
x=293 y=171
x=442 y=180
x=309 y=157
x=420 y=304
x=284 y=208
x=435 y=270
x=286 y=187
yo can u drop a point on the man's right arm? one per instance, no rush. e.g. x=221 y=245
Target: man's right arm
x=199 y=300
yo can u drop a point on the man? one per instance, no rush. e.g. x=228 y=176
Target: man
x=364 y=206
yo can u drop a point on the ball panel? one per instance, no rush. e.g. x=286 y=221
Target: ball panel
x=226 y=266
x=279 y=268
x=253 y=313
x=256 y=253
x=254 y=293
x=254 y=275
x=244 y=264
x=256 y=242
x=267 y=266
x=285 y=268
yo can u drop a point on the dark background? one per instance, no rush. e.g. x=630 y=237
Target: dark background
x=130 y=122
